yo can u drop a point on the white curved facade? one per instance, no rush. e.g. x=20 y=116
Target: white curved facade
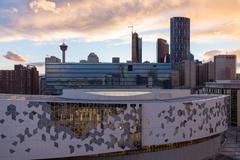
x=40 y=127
x=177 y=122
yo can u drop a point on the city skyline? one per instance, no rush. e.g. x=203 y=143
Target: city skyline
x=27 y=37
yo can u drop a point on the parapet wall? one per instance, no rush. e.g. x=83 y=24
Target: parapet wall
x=123 y=94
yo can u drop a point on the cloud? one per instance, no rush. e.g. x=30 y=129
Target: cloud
x=14 y=57
x=9 y=10
x=47 y=20
x=236 y=52
x=91 y=20
x=207 y=56
x=44 y=5
x=37 y=64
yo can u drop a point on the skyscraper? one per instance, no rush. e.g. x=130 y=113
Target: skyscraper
x=180 y=39
x=162 y=51
x=136 y=48
x=225 y=67
x=21 y=80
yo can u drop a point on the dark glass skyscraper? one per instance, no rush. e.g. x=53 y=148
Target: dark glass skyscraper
x=136 y=48
x=180 y=39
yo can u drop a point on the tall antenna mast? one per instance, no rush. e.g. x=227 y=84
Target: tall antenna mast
x=131 y=27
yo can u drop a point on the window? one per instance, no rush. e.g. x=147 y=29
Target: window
x=81 y=118
x=130 y=68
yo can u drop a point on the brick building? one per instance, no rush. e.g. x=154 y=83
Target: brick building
x=21 y=80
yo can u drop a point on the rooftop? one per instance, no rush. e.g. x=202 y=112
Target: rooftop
x=224 y=84
x=123 y=95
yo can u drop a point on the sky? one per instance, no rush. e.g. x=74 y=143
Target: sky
x=30 y=30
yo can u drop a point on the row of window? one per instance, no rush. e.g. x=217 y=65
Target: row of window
x=81 y=118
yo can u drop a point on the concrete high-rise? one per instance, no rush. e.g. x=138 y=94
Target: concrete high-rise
x=52 y=59
x=92 y=58
x=225 y=67
x=187 y=73
x=162 y=51
x=208 y=72
x=136 y=48
x=199 y=73
x=180 y=39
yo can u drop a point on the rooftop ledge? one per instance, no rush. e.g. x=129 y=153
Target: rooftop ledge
x=124 y=94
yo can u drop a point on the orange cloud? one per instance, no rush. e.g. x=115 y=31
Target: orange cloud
x=207 y=56
x=91 y=20
x=46 y=20
x=14 y=57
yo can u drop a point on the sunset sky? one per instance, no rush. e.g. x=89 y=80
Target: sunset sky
x=30 y=30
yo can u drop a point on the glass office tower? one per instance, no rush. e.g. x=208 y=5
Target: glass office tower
x=180 y=39
x=61 y=76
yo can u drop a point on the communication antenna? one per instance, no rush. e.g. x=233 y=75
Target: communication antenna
x=131 y=27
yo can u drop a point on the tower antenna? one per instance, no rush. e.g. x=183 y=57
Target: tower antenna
x=63 y=48
x=131 y=27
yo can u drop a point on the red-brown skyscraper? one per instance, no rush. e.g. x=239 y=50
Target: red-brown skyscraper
x=162 y=51
x=136 y=48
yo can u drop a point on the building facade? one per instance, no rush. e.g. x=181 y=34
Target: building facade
x=199 y=74
x=92 y=58
x=112 y=124
x=180 y=39
x=42 y=84
x=175 y=78
x=52 y=59
x=115 y=60
x=21 y=80
x=208 y=72
x=106 y=75
x=162 y=51
x=231 y=88
x=187 y=73
x=225 y=67
x=136 y=48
